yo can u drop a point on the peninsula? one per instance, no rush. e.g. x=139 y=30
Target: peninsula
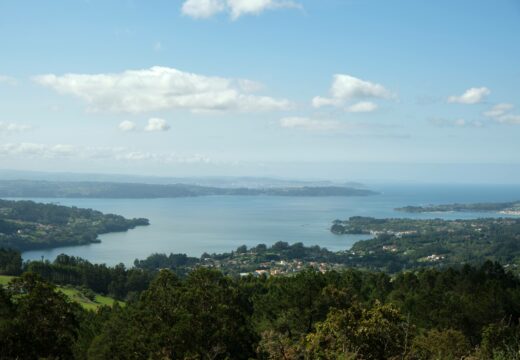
x=27 y=225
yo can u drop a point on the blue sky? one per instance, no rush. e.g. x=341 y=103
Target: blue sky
x=302 y=88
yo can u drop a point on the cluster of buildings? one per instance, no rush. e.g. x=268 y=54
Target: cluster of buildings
x=246 y=266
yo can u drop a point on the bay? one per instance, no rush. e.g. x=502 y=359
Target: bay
x=217 y=224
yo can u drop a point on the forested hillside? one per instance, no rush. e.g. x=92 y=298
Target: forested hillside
x=411 y=243
x=429 y=314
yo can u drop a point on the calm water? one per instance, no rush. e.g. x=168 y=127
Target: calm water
x=222 y=223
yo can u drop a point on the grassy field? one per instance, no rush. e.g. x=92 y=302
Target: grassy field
x=4 y=279
x=76 y=295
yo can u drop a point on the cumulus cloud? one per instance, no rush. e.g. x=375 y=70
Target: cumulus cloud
x=201 y=9
x=156 y=124
x=309 y=124
x=160 y=88
x=349 y=87
x=127 y=126
x=4 y=79
x=13 y=127
x=346 y=88
x=471 y=96
x=63 y=151
x=363 y=106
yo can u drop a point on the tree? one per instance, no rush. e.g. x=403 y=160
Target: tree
x=201 y=317
x=379 y=332
x=436 y=344
x=10 y=262
x=501 y=340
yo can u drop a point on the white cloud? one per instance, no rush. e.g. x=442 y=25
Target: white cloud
x=166 y=158
x=510 y=119
x=127 y=126
x=13 y=127
x=296 y=122
x=201 y=9
x=160 y=88
x=36 y=150
x=501 y=113
x=4 y=79
x=471 y=96
x=349 y=87
x=498 y=110
x=156 y=124
x=319 y=101
x=346 y=88
x=363 y=106
x=243 y=7
x=457 y=123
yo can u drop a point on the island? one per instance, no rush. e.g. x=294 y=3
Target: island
x=27 y=225
x=505 y=208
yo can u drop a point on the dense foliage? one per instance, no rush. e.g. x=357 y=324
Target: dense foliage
x=26 y=225
x=352 y=314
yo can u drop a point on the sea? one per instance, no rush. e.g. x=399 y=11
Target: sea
x=217 y=224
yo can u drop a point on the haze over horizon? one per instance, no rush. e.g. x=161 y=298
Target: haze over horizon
x=334 y=90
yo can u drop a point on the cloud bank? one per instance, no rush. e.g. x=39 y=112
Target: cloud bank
x=65 y=151
x=161 y=88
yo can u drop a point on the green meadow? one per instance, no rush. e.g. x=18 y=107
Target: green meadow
x=76 y=296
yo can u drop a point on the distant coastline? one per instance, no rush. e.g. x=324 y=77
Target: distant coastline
x=116 y=190
x=505 y=208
